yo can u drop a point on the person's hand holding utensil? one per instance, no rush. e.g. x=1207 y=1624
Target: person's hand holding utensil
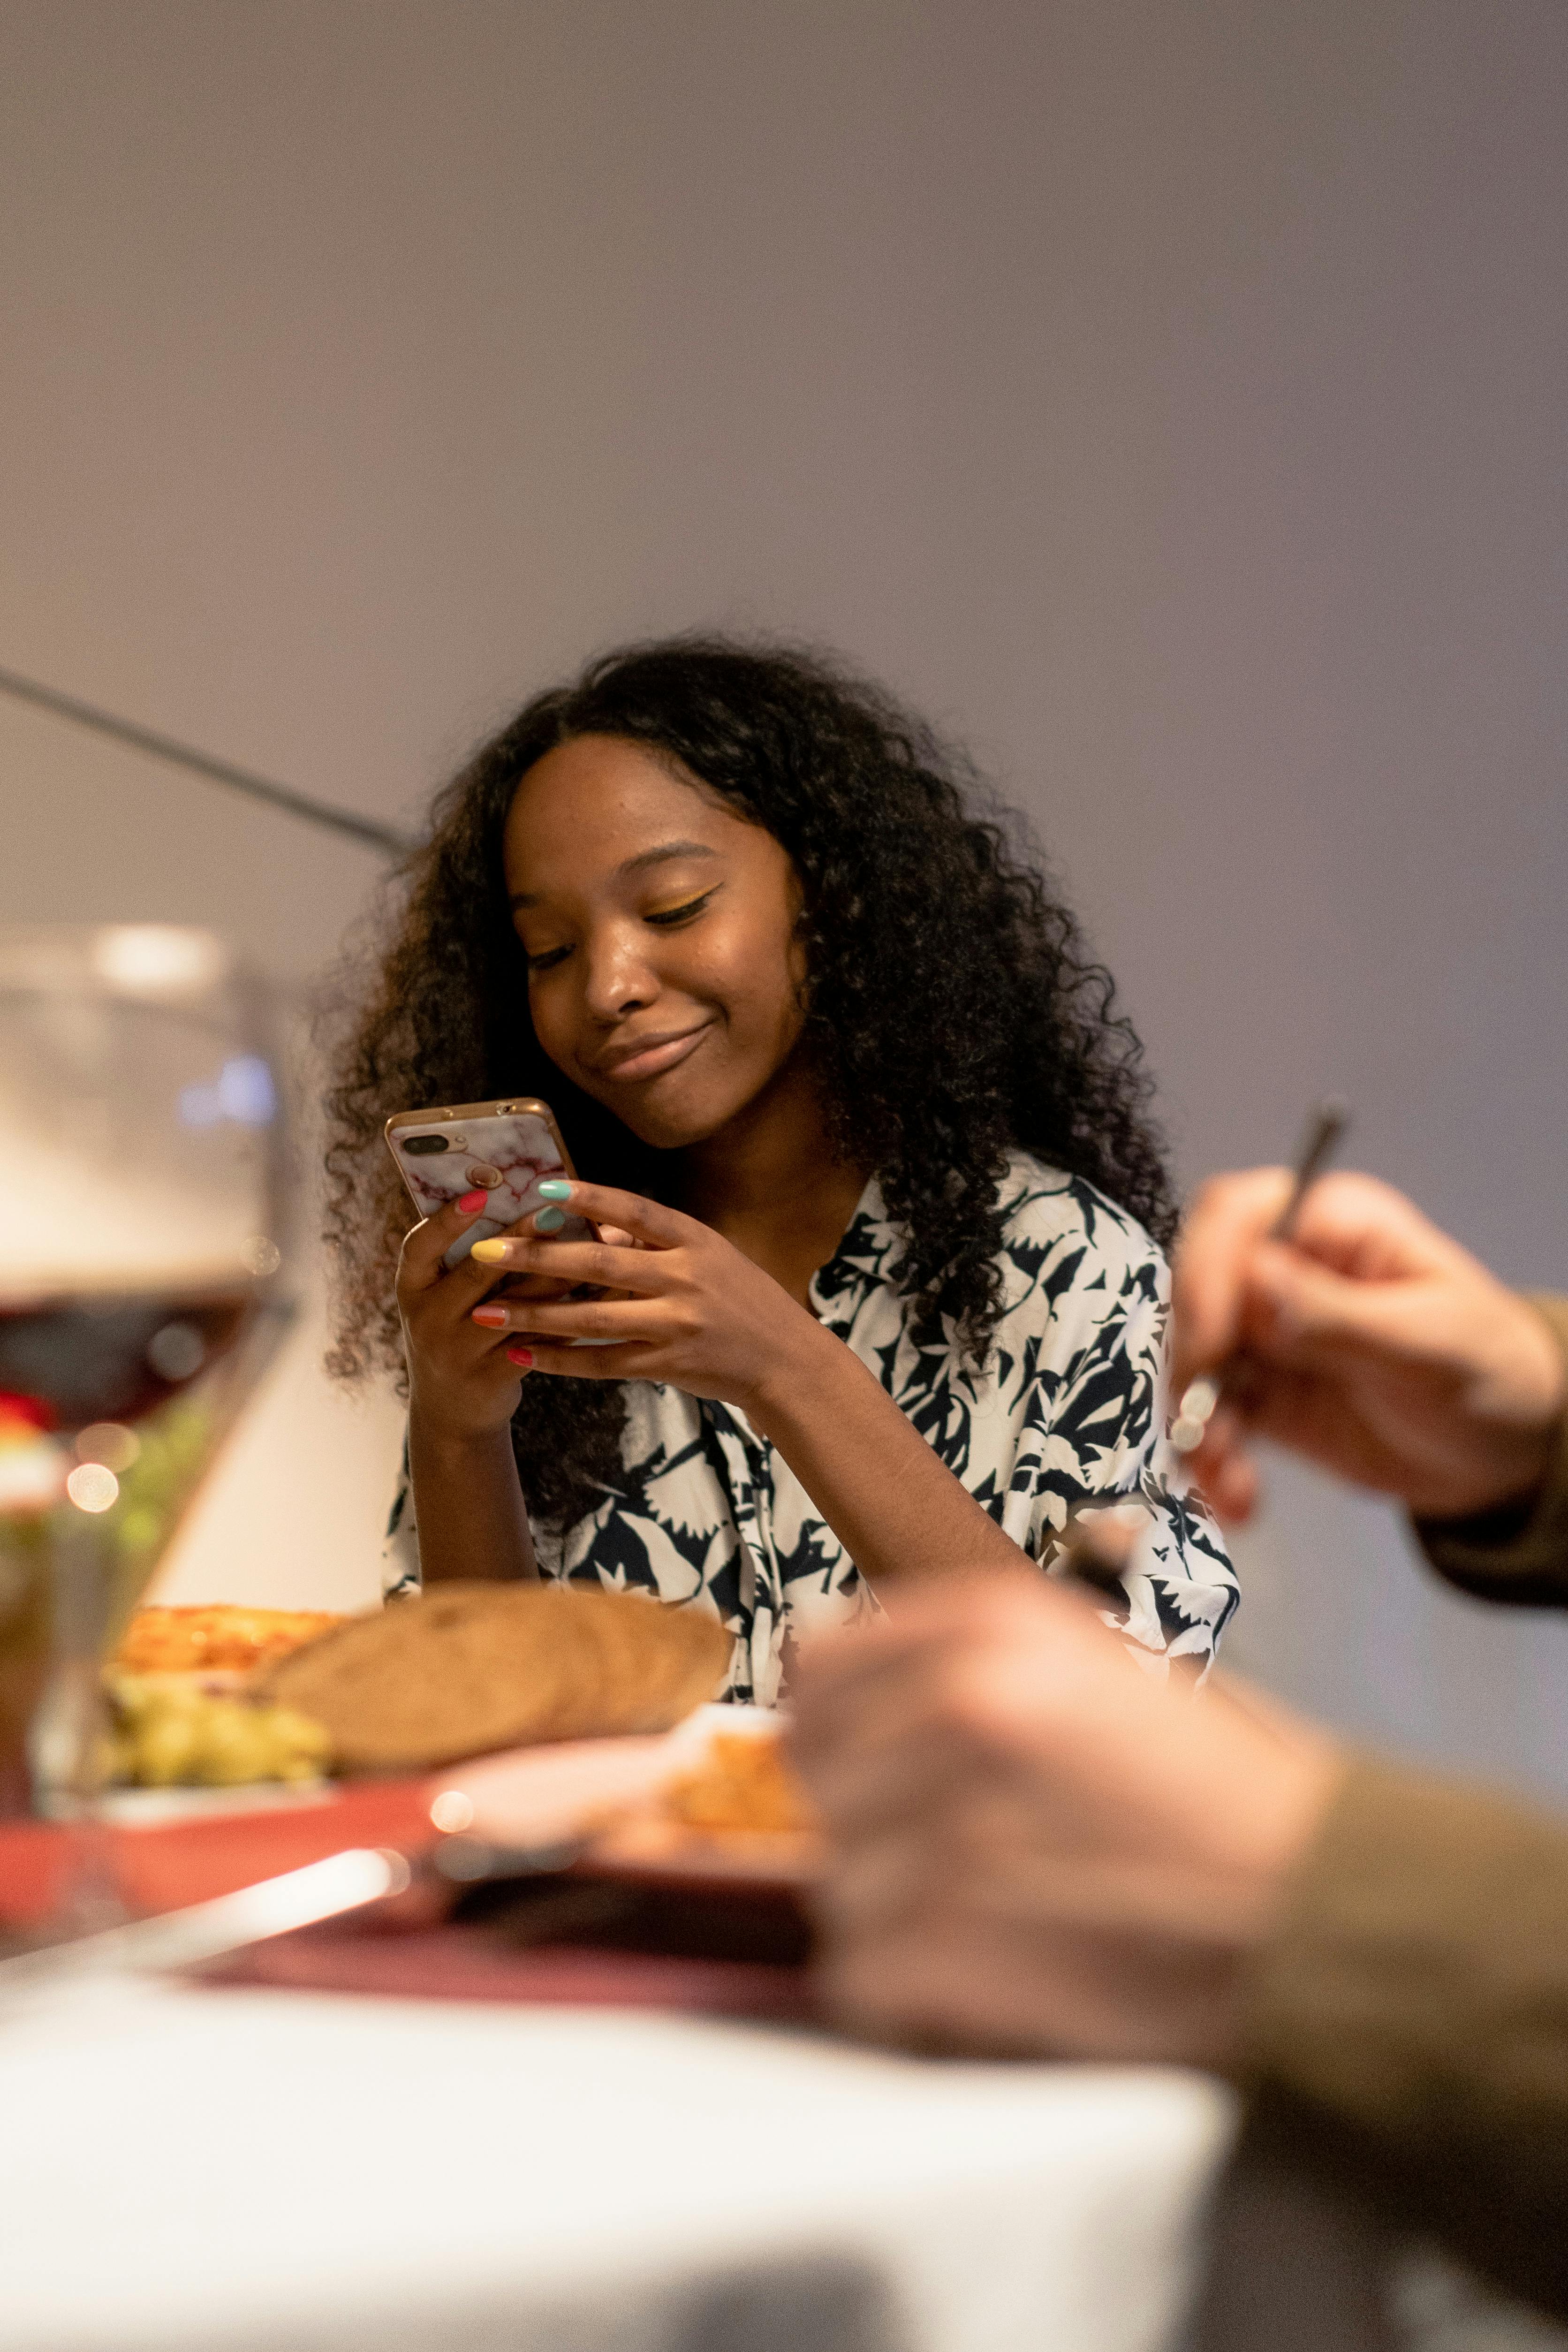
x=1332 y=1316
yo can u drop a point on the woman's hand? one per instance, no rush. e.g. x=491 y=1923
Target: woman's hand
x=688 y=1308
x=462 y=1383
x=681 y=1305
x=1373 y=1344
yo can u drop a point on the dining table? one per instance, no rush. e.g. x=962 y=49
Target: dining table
x=419 y=2141
x=401 y=2131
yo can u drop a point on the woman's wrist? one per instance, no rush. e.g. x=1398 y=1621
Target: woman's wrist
x=437 y=1438
x=803 y=1357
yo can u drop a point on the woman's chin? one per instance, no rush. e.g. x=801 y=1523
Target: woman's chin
x=671 y=1125
x=669 y=1134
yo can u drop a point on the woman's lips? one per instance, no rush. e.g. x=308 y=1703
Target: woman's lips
x=652 y=1060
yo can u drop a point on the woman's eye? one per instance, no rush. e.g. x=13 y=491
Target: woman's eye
x=546 y=961
x=667 y=917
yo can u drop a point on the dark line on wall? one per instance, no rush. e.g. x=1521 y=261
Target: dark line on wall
x=362 y=829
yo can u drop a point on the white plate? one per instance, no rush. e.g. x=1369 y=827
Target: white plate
x=606 y=1790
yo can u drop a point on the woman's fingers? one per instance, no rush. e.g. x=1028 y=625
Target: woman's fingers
x=570 y=1318
x=601 y=1263
x=646 y=1220
x=626 y=1363
x=424 y=1248
x=425 y=1253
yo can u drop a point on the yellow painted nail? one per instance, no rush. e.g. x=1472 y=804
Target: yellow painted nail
x=490 y=1253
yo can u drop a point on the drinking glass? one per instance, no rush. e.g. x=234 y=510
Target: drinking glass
x=144 y=1284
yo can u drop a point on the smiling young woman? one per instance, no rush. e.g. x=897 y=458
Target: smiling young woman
x=879 y=1288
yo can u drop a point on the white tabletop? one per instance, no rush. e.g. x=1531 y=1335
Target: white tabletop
x=246 y=2171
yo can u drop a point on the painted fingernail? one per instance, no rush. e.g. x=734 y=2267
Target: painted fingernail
x=554 y=1188
x=494 y=1317
x=522 y=1357
x=549 y=1221
x=471 y=1202
x=490 y=1253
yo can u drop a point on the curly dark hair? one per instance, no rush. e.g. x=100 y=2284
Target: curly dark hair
x=952 y=1010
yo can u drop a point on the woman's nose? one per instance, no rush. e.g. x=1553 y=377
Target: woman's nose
x=618 y=978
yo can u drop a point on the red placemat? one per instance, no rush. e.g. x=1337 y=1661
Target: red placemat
x=161 y=1867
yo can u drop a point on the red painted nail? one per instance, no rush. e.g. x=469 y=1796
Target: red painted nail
x=470 y=1202
x=495 y=1317
x=522 y=1357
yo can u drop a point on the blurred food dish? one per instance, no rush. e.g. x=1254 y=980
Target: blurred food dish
x=221 y=1697
x=469 y=1668
x=219 y=1638
x=183 y=1709
x=726 y=1810
x=683 y=1810
x=741 y=1783
x=167 y=1731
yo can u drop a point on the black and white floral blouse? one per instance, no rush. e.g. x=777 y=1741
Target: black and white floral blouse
x=1069 y=1407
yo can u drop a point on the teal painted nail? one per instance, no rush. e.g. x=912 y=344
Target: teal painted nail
x=554 y=1188
x=549 y=1221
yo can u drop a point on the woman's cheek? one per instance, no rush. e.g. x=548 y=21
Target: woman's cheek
x=553 y=1025
x=755 y=981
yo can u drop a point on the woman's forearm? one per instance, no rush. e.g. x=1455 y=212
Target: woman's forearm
x=468 y=1506
x=896 y=1509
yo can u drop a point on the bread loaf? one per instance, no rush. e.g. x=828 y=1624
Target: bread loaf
x=469 y=1667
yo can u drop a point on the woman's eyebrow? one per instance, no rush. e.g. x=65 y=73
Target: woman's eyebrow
x=662 y=855
x=665 y=852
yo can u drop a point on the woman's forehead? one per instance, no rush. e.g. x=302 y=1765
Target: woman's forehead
x=596 y=802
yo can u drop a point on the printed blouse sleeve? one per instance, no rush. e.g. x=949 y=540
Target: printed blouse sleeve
x=1095 y=1412
x=1180 y=1586
x=399 y=1553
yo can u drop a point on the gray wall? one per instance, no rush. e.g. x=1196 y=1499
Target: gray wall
x=1169 y=398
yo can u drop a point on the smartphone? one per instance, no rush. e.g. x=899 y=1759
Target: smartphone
x=505 y=1150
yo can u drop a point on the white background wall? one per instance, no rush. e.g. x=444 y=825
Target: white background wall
x=1169 y=398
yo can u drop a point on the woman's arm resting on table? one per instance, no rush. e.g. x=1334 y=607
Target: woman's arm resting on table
x=695 y=1312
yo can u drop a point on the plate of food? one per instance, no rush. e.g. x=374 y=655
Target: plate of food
x=566 y=1777
x=577 y=1726
x=712 y=1801
x=217 y=1698
x=188 y=1729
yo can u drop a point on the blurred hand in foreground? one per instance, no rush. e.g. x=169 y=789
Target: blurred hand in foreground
x=1373 y=1344
x=1035 y=1845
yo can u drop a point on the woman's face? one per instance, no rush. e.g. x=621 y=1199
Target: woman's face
x=664 y=968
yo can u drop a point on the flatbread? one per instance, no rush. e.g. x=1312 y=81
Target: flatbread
x=470 y=1667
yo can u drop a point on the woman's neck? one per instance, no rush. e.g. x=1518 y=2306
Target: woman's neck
x=769 y=1182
